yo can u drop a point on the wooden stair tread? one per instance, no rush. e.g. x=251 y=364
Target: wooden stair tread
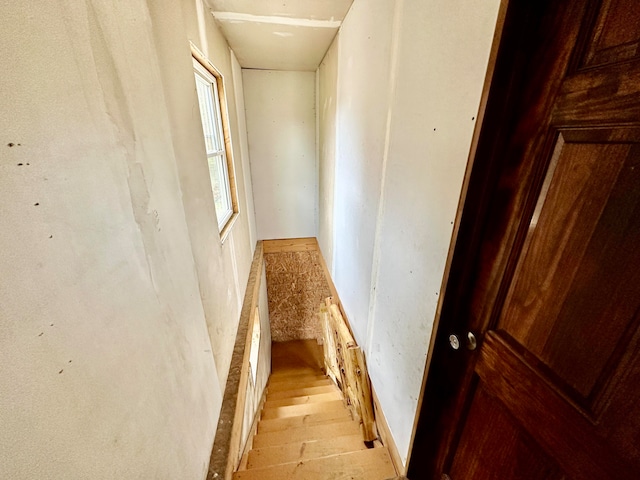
x=305 y=409
x=301 y=434
x=296 y=372
x=305 y=431
x=370 y=464
x=298 y=384
x=301 y=392
x=300 y=451
x=315 y=398
x=295 y=380
x=302 y=420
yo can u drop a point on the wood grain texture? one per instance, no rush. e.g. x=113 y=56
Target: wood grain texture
x=296 y=284
x=290 y=245
x=550 y=418
x=612 y=40
x=301 y=434
x=580 y=264
x=227 y=448
x=309 y=436
x=298 y=452
x=342 y=353
x=518 y=457
x=546 y=256
x=301 y=382
x=372 y=464
x=489 y=222
x=299 y=400
x=297 y=410
x=308 y=419
x=301 y=392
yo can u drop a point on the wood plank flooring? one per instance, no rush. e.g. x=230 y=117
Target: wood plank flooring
x=305 y=431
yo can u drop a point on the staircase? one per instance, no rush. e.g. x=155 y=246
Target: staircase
x=305 y=431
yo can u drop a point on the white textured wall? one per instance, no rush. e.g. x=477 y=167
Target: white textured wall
x=362 y=104
x=243 y=148
x=408 y=89
x=106 y=244
x=280 y=112
x=327 y=96
x=223 y=269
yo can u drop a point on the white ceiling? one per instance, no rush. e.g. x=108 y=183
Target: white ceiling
x=280 y=34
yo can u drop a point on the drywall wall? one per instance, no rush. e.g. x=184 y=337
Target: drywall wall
x=243 y=148
x=108 y=370
x=362 y=104
x=280 y=112
x=222 y=268
x=397 y=180
x=326 y=101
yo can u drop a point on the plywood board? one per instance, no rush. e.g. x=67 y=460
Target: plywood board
x=296 y=284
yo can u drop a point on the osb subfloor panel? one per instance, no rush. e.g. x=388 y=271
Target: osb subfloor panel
x=295 y=287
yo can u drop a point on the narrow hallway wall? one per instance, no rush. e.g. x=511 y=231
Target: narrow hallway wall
x=404 y=81
x=222 y=268
x=280 y=108
x=113 y=277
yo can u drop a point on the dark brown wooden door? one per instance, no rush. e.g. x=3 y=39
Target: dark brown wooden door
x=547 y=268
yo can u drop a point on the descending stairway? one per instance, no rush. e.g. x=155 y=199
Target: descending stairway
x=305 y=431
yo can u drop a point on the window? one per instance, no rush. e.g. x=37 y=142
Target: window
x=214 y=126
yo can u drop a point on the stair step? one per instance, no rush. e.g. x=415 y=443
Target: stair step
x=318 y=397
x=301 y=392
x=301 y=434
x=298 y=372
x=306 y=409
x=298 y=384
x=370 y=464
x=297 y=452
x=309 y=420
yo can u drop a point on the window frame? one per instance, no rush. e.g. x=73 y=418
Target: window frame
x=205 y=70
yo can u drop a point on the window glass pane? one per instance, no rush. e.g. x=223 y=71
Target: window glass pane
x=220 y=187
x=210 y=125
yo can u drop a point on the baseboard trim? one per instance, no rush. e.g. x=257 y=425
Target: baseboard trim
x=386 y=437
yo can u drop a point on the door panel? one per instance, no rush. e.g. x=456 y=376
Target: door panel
x=580 y=262
x=556 y=423
x=515 y=456
x=546 y=271
x=614 y=37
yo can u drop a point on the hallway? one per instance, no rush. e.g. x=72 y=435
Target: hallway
x=149 y=148
x=305 y=430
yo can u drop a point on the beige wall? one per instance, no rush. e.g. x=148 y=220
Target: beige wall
x=118 y=303
x=406 y=79
x=326 y=101
x=222 y=268
x=281 y=127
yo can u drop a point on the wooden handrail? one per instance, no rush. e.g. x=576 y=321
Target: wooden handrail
x=228 y=444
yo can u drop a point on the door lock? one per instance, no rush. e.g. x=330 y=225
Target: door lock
x=472 y=343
